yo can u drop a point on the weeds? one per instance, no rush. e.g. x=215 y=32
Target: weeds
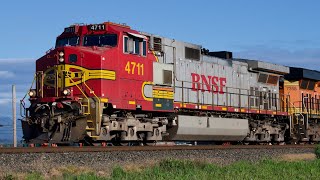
x=183 y=169
x=317 y=151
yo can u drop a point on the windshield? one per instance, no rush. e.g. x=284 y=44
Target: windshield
x=100 y=40
x=70 y=41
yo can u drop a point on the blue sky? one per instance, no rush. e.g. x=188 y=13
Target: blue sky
x=284 y=32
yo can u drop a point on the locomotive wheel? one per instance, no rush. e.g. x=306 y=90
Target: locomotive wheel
x=279 y=143
x=124 y=143
x=151 y=143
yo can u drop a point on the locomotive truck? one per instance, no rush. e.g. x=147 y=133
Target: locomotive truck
x=109 y=83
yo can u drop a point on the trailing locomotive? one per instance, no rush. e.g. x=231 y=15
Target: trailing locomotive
x=108 y=82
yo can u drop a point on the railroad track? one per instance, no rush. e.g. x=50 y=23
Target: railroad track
x=141 y=148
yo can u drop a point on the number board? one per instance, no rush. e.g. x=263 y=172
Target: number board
x=70 y=29
x=96 y=27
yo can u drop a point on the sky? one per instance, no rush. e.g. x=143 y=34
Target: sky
x=285 y=32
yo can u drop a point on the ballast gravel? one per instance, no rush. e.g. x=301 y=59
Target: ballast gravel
x=101 y=161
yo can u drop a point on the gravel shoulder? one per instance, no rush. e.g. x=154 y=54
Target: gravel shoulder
x=103 y=162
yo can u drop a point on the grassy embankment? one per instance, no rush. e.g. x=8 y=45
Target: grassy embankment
x=181 y=169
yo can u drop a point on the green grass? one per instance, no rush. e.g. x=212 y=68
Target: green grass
x=181 y=169
x=267 y=169
x=317 y=151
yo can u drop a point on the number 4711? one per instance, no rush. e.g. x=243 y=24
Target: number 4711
x=134 y=68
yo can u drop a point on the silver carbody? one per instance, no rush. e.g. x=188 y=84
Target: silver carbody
x=241 y=90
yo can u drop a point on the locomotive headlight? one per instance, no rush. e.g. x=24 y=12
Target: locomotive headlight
x=32 y=93
x=61 y=54
x=61 y=59
x=66 y=92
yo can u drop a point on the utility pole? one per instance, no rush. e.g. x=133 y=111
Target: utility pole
x=14 y=115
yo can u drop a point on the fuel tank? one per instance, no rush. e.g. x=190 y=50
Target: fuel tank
x=204 y=128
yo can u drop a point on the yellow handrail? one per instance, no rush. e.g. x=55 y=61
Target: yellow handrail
x=295 y=109
x=88 y=106
x=99 y=102
x=98 y=124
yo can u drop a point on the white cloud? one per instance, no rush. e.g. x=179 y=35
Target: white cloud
x=16 y=60
x=5 y=101
x=305 y=58
x=5 y=94
x=6 y=74
x=8 y=95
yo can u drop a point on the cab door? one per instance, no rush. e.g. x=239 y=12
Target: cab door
x=135 y=69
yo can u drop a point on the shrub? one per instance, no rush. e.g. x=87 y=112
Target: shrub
x=9 y=177
x=317 y=151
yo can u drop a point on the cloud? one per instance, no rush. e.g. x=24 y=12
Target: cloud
x=6 y=74
x=5 y=94
x=5 y=101
x=16 y=60
x=306 y=58
x=8 y=94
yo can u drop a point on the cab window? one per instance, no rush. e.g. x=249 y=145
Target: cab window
x=100 y=40
x=134 y=45
x=69 y=41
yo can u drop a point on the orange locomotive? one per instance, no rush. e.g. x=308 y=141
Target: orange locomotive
x=302 y=85
x=109 y=83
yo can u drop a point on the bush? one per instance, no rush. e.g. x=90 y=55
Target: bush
x=317 y=151
x=9 y=177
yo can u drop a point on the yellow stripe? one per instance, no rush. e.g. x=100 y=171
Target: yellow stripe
x=204 y=107
x=163 y=94
x=159 y=105
x=104 y=100
x=162 y=88
x=224 y=108
x=157 y=59
x=288 y=83
x=142 y=89
x=132 y=102
x=78 y=75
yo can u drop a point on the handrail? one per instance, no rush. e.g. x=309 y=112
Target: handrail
x=295 y=108
x=67 y=75
x=232 y=92
x=99 y=109
x=98 y=124
x=22 y=103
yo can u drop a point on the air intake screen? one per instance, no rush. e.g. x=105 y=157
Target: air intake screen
x=263 y=78
x=157 y=44
x=191 y=53
x=272 y=79
x=311 y=85
x=303 y=84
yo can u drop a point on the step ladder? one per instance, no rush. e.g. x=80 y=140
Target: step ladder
x=93 y=126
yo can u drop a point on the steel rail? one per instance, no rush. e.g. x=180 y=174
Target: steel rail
x=20 y=150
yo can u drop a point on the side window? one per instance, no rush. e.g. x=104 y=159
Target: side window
x=136 y=46
x=132 y=45
x=125 y=44
x=144 y=48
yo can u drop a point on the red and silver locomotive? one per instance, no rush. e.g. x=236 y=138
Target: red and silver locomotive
x=108 y=82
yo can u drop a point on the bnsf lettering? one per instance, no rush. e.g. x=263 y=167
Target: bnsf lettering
x=208 y=83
